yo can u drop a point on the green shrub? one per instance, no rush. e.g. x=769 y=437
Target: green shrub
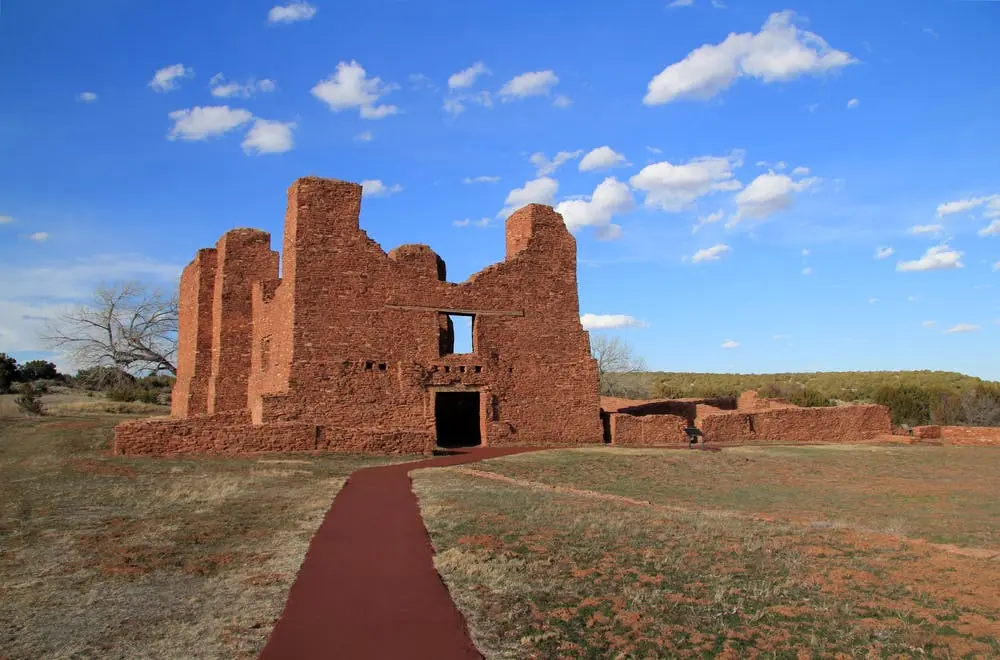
x=908 y=404
x=29 y=401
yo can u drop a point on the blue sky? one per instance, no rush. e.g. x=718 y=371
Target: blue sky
x=800 y=137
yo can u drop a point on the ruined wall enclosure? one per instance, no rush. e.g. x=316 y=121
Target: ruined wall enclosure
x=351 y=348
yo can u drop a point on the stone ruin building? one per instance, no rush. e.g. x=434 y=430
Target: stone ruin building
x=347 y=348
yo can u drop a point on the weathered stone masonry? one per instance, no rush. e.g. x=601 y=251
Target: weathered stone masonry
x=350 y=349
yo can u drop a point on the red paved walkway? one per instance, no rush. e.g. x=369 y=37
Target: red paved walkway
x=368 y=588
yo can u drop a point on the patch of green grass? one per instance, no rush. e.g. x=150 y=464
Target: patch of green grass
x=117 y=557
x=540 y=573
x=941 y=494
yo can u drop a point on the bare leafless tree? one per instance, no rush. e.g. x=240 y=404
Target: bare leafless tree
x=127 y=326
x=614 y=357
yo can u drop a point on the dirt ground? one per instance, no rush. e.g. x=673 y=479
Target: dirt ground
x=102 y=556
x=815 y=551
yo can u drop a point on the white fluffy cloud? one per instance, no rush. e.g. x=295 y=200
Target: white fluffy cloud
x=883 y=252
x=480 y=179
x=939 y=257
x=364 y=136
x=602 y=158
x=713 y=253
x=730 y=343
x=853 y=103
x=375 y=188
x=781 y=51
x=482 y=222
x=349 y=87
x=39 y=236
x=992 y=229
x=768 y=194
x=269 y=137
x=168 y=78
x=708 y=219
x=610 y=197
x=962 y=327
x=222 y=89
x=537 y=191
x=928 y=324
x=199 y=123
x=801 y=171
x=992 y=203
x=291 y=13
x=673 y=187
x=544 y=166
x=610 y=321
x=467 y=77
x=87 y=97
x=534 y=83
x=926 y=230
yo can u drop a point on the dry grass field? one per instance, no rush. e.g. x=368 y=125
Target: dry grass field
x=862 y=551
x=102 y=556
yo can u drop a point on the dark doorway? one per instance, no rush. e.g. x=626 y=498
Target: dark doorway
x=456 y=416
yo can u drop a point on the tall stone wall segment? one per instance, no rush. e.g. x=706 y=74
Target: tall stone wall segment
x=349 y=340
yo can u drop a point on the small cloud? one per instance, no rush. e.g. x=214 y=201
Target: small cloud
x=291 y=13
x=537 y=191
x=602 y=158
x=420 y=82
x=87 y=97
x=781 y=337
x=713 y=253
x=467 y=77
x=269 y=137
x=883 y=252
x=654 y=150
x=992 y=229
x=364 y=136
x=939 y=257
x=926 y=230
x=39 y=236
x=544 y=166
x=730 y=343
x=872 y=301
x=199 y=123
x=853 y=103
x=812 y=107
x=681 y=3
x=707 y=220
x=375 y=188
x=996 y=266
x=350 y=87
x=610 y=322
x=963 y=327
x=455 y=104
x=962 y=205
x=806 y=252
x=6 y=219
x=534 y=83
x=609 y=198
x=481 y=179
x=562 y=101
x=168 y=78
x=931 y=32
x=222 y=89
x=769 y=194
x=807 y=271
x=929 y=324
x=801 y=170
x=912 y=298
x=482 y=222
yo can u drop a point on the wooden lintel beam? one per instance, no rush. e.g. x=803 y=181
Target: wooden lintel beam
x=458 y=312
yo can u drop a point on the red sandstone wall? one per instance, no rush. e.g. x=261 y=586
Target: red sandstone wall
x=194 y=346
x=348 y=338
x=648 y=430
x=971 y=435
x=834 y=424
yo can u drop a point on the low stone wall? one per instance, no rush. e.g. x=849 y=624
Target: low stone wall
x=205 y=435
x=971 y=435
x=648 y=430
x=833 y=424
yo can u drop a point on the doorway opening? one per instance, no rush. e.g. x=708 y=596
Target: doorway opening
x=456 y=419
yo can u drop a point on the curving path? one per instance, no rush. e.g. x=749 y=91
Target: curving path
x=368 y=587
